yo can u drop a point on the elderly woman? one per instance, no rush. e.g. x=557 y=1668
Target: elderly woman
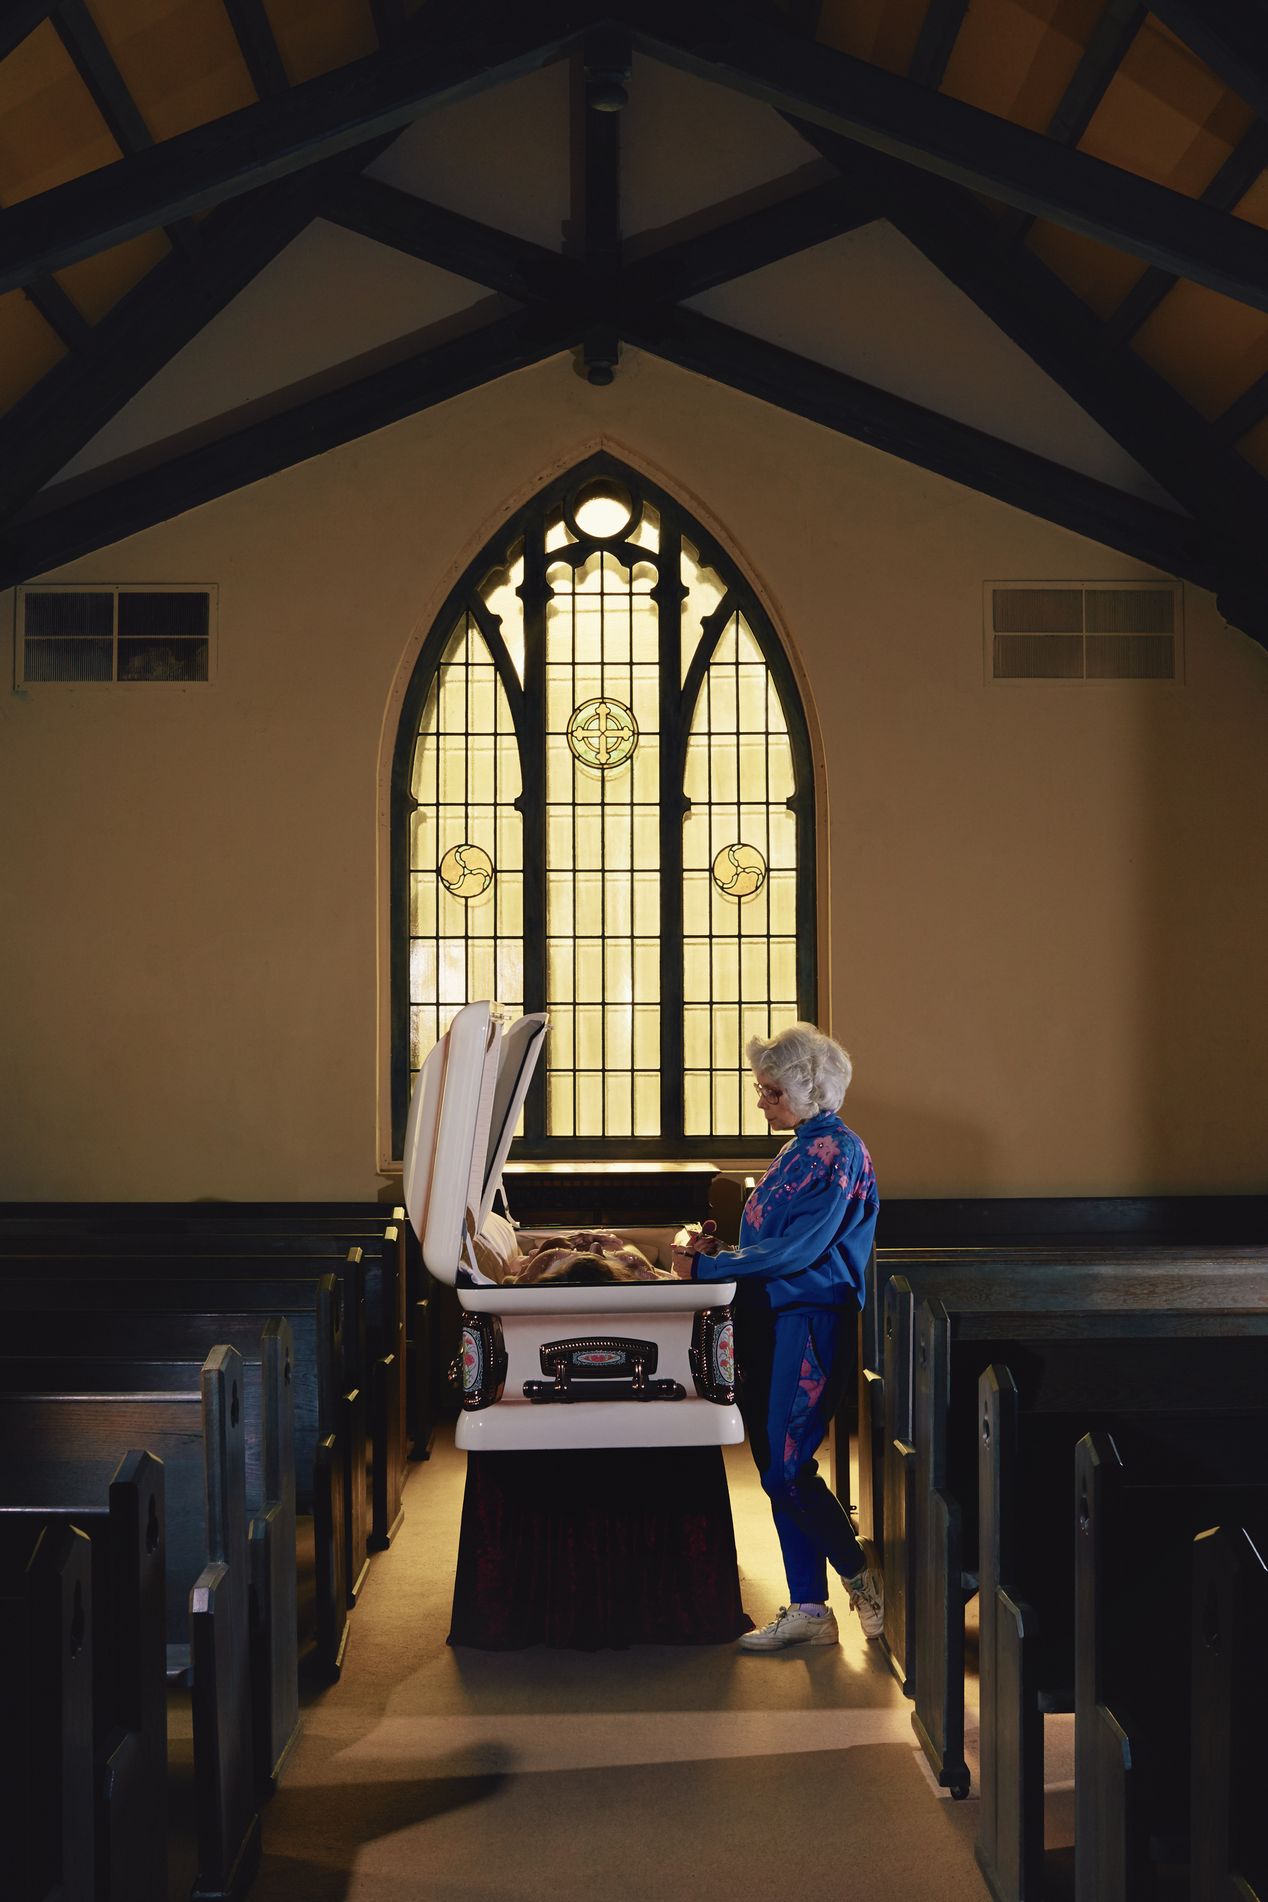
x=800 y=1264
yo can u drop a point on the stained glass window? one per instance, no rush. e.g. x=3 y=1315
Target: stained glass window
x=603 y=809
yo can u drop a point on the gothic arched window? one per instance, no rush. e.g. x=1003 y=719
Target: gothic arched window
x=603 y=807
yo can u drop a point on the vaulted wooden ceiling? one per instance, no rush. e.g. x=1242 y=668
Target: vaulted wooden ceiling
x=1091 y=173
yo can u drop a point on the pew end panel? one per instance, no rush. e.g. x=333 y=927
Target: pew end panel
x=132 y=1753
x=938 y=1719
x=47 y=1771
x=1141 y=1496
x=897 y=1462
x=1229 y=1829
x=274 y=1583
x=1010 y=1826
x=228 y=1823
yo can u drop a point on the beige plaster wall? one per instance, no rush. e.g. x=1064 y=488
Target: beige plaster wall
x=1045 y=905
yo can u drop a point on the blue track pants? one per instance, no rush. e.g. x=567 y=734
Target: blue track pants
x=793 y=1372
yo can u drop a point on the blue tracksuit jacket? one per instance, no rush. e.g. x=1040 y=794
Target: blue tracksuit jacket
x=809 y=1224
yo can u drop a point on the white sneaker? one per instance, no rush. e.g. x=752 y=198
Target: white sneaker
x=867 y=1598
x=792 y=1626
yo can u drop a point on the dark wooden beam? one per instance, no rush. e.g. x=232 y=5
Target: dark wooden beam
x=1031 y=304
x=803 y=16
x=957 y=142
x=1108 y=42
x=1230 y=36
x=254 y=33
x=917 y=435
x=92 y=60
x=277 y=442
x=735 y=247
x=519 y=268
x=390 y=18
x=607 y=71
x=57 y=310
x=467 y=52
x=938 y=35
x=495 y=259
x=1229 y=186
x=49 y=426
x=18 y=18
x=1244 y=413
x=81 y=36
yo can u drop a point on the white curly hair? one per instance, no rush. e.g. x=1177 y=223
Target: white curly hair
x=813 y=1071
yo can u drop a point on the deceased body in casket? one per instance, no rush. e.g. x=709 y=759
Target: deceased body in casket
x=569 y=1340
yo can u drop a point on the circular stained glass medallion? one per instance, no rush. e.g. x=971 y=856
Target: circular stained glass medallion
x=602 y=733
x=739 y=871
x=466 y=871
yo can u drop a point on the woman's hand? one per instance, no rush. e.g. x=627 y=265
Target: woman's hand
x=690 y=1242
x=682 y=1260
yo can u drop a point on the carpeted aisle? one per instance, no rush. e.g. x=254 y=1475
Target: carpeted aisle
x=461 y=1776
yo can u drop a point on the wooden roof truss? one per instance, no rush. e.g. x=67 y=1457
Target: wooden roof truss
x=900 y=150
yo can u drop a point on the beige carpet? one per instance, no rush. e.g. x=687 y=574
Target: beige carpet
x=461 y=1776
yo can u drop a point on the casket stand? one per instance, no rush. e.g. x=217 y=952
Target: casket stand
x=592 y=1524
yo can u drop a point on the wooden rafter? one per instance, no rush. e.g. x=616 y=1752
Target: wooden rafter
x=736 y=246
x=92 y=59
x=49 y=426
x=498 y=260
x=258 y=46
x=1244 y=412
x=1230 y=36
x=960 y=143
x=938 y=34
x=606 y=71
x=1031 y=304
x=20 y=17
x=1229 y=186
x=932 y=441
x=390 y=18
x=278 y=442
x=197 y=169
x=60 y=313
x=517 y=267
x=1117 y=27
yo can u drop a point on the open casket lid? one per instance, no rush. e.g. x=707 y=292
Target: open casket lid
x=466 y=1103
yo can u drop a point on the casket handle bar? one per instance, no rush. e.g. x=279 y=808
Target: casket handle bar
x=600 y=1367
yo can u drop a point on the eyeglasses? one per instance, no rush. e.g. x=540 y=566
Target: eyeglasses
x=765 y=1094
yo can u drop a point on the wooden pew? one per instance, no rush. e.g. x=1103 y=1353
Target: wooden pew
x=195 y=1271
x=129 y=1710
x=1140 y=1505
x=268 y=1388
x=46 y=1740
x=1229 y=1820
x=1182 y=1279
x=143 y=1321
x=1065 y=1360
x=216 y=1230
x=1007 y=1266
x=1181 y=1430
x=59 y=1454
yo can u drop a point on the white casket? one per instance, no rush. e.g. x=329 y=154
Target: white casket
x=555 y=1366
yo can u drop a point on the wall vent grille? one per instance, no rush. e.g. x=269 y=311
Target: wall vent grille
x=1083 y=631
x=72 y=636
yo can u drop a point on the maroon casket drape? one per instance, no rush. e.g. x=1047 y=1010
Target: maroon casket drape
x=597 y=1548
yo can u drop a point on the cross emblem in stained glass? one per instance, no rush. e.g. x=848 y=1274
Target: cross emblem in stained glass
x=602 y=733
x=466 y=871
x=739 y=871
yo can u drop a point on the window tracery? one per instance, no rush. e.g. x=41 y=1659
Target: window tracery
x=604 y=809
